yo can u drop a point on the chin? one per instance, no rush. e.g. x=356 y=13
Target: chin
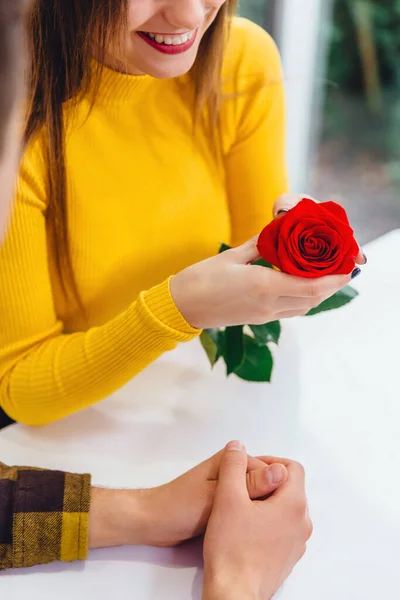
x=167 y=71
x=165 y=67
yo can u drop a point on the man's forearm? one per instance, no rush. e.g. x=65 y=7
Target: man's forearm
x=47 y=516
x=117 y=518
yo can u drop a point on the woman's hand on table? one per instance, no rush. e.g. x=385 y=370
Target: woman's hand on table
x=172 y=513
x=250 y=548
x=227 y=290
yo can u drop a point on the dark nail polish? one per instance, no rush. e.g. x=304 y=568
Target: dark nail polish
x=355 y=273
x=283 y=211
x=365 y=258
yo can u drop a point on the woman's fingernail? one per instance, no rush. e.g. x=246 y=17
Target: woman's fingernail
x=355 y=273
x=365 y=258
x=235 y=446
x=282 y=212
x=275 y=474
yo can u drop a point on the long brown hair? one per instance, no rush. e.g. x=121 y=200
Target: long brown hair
x=61 y=35
x=12 y=13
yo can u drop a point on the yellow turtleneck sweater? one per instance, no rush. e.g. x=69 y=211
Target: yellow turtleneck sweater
x=145 y=200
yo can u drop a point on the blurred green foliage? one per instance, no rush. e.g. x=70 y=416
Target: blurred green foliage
x=255 y=10
x=363 y=77
x=345 y=66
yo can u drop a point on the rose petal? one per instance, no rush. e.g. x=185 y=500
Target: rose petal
x=287 y=253
x=336 y=210
x=333 y=243
x=316 y=248
x=308 y=261
x=267 y=242
x=328 y=212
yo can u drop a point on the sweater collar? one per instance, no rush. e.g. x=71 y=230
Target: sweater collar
x=116 y=88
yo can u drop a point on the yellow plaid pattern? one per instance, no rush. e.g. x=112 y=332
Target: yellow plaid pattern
x=44 y=516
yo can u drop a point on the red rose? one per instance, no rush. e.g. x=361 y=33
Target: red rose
x=311 y=240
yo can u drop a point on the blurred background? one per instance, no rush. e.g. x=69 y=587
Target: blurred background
x=342 y=72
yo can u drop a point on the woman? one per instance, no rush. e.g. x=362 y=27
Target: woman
x=161 y=516
x=155 y=131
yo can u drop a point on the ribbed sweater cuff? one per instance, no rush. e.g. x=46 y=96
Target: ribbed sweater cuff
x=161 y=307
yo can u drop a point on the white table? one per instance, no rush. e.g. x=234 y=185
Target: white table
x=334 y=404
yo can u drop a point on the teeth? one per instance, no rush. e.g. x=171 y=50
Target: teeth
x=171 y=40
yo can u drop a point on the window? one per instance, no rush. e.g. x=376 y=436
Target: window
x=357 y=160
x=259 y=11
x=342 y=71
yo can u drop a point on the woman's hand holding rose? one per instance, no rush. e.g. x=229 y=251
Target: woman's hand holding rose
x=228 y=290
x=307 y=242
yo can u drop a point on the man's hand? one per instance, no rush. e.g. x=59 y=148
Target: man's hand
x=175 y=512
x=251 y=547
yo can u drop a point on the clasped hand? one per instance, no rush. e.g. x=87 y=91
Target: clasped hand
x=253 y=511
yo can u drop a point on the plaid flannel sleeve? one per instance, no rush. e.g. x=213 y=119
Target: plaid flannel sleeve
x=44 y=516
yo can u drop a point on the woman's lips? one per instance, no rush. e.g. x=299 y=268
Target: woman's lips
x=171 y=47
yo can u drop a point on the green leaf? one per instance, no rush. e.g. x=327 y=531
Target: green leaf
x=262 y=263
x=257 y=362
x=233 y=348
x=209 y=340
x=341 y=298
x=215 y=335
x=270 y=332
x=223 y=248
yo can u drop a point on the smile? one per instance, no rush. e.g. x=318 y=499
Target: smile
x=169 y=44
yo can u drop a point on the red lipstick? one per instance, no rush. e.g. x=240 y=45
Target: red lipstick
x=168 y=48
